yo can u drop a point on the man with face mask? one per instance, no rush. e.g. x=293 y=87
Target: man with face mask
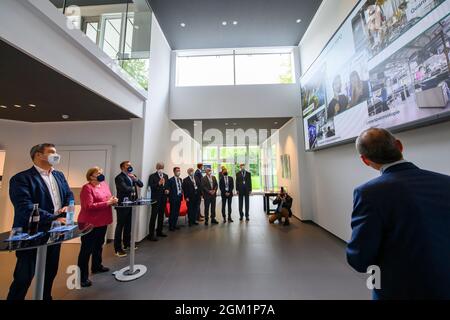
x=244 y=189
x=191 y=189
x=209 y=190
x=127 y=184
x=175 y=197
x=38 y=185
x=226 y=184
x=159 y=185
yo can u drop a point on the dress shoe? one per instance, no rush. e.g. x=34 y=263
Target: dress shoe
x=201 y=220
x=102 y=269
x=286 y=223
x=241 y=218
x=128 y=248
x=121 y=253
x=214 y=221
x=86 y=283
x=202 y=216
x=195 y=223
x=162 y=235
x=248 y=219
x=224 y=220
x=206 y=223
x=230 y=220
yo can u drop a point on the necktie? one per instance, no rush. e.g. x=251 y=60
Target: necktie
x=193 y=181
x=226 y=183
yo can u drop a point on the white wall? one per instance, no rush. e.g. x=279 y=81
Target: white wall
x=16 y=138
x=329 y=176
x=288 y=143
x=224 y=102
x=38 y=29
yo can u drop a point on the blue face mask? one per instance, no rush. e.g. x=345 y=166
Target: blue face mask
x=130 y=169
x=101 y=178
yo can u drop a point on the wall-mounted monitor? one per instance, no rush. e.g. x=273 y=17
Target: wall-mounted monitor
x=388 y=65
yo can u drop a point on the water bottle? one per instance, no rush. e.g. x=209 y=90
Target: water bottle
x=148 y=196
x=70 y=215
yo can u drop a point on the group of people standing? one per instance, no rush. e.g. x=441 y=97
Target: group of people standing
x=43 y=185
x=193 y=188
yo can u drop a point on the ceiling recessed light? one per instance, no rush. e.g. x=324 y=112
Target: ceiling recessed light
x=3 y=107
x=275 y=122
x=65 y=116
x=226 y=123
x=182 y=24
x=298 y=20
x=224 y=23
x=136 y=27
x=17 y=106
x=32 y=105
x=235 y=124
x=235 y=22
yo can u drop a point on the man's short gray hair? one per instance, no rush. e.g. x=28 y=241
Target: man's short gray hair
x=160 y=165
x=378 y=145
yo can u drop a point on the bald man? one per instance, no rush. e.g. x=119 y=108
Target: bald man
x=401 y=223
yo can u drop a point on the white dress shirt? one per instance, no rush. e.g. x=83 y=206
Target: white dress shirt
x=193 y=181
x=386 y=166
x=52 y=186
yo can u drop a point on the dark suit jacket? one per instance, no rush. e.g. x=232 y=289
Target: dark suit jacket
x=198 y=174
x=189 y=189
x=206 y=186
x=173 y=192
x=27 y=188
x=124 y=186
x=401 y=223
x=158 y=192
x=222 y=185
x=240 y=186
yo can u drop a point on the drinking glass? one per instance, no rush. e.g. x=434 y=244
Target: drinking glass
x=15 y=232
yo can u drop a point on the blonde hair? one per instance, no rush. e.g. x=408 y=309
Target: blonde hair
x=91 y=172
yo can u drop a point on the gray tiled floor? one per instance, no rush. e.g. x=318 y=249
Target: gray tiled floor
x=227 y=261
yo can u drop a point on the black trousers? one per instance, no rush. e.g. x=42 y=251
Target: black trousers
x=244 y=196
x=157 y=212
x=226 y=200
x=123 y=229
x=91 y=245
x=24 y=272
x=193 y=208
x=210 y=203
x=175 y=205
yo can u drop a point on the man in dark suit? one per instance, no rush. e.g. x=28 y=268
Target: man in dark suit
x=127 y=187
x=199 y=176
x=159 y=184
x=175 y=197
x=244 y=189
x=191 y=190
x=209 y=190
x=284 y=204
x=401 y=223
x=226 y=184
x=47 y=187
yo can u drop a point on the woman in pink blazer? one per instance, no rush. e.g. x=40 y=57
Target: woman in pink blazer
x=96 y=201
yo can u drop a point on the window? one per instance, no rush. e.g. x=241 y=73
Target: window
x=235 y=67
x=264 y=69
x=205 y=71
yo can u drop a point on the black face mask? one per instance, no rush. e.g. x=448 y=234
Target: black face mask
x=130 y=169
x=101 y=178
x=225 y=174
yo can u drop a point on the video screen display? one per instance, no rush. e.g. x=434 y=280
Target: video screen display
x=387 y=66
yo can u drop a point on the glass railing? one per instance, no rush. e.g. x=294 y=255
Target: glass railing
x=121 y=28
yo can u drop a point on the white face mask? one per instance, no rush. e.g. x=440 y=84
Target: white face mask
x=177 y=174
x=54 y=159
x=160 y=171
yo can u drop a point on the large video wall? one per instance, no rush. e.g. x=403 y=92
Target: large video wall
x=387 y=66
